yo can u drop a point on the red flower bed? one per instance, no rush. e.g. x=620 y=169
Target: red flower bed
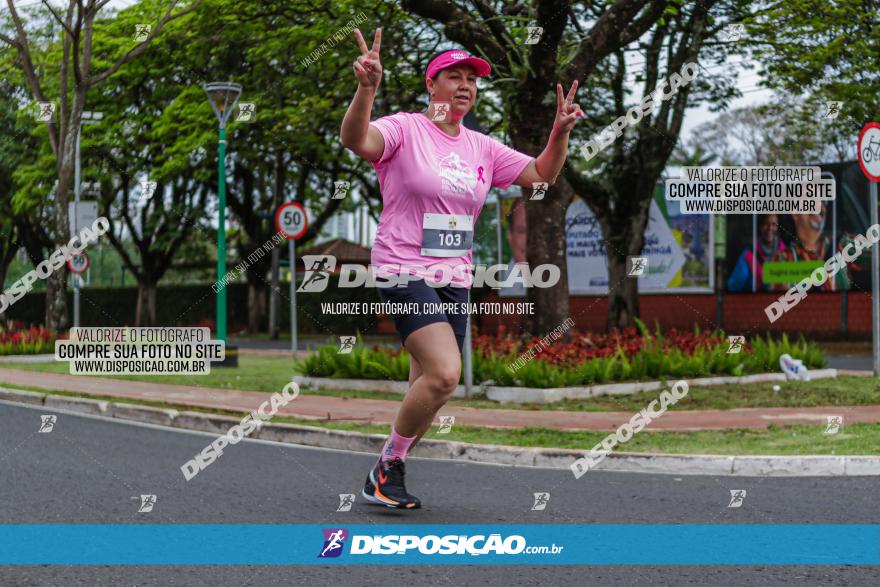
x=17 y=340
x=585 y=346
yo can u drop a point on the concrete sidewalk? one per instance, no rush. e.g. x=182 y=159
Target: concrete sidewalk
x=369 y=411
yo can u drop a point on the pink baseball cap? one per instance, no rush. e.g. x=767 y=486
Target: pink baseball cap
x=455 y=57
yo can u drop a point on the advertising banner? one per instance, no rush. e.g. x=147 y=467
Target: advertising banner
x=678 y=247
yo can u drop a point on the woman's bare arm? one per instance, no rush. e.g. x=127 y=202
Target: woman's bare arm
x=547 y=166
x=356 y=133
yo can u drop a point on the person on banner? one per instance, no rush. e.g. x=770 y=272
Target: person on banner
x=812 y=244
x=766 y=245
x=434 y=175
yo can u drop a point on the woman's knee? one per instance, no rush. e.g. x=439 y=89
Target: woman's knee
x=438 y=356
x=445 y=376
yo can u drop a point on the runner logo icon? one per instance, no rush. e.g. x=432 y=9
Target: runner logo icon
x=47 y=423
x=345 y=502
x=637 y=266
x=340 y=189
x=735 y=344
x=737 y=496
x=334 y=541
x=541 y=500
x=346 y=345
x=147 y=503
x=446 y=423
x=318 y=269
x=834 y=424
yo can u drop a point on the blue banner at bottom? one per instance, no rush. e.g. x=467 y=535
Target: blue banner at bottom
x=533 y=544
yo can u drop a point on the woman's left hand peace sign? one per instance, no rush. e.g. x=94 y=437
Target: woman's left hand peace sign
x=567 y=113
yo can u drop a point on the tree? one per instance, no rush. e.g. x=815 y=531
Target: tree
x=826 y=49
x=290 y=150
x=9 y=159
x=697 y=157
x=75 y=78
x=620 y=185
x=791 y=131
x=22 y=215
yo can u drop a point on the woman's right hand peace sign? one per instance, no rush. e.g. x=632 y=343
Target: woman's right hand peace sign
x=367 y=68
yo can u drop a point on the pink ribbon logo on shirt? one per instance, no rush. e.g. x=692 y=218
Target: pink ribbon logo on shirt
x=480 y=171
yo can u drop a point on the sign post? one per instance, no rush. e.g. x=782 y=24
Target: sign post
x=292 y=221
x=77 y=264
x=869 y=161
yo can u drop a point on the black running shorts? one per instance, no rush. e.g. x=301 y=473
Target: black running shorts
x=419 y=294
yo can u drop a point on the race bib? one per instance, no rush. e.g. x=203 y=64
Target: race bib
x=447 y=235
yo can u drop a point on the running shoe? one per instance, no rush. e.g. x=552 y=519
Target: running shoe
x=390 y=489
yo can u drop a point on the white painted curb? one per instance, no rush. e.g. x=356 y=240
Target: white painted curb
x=548 y=458
x=535 y=395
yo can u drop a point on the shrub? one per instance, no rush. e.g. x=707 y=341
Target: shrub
x=630 y=355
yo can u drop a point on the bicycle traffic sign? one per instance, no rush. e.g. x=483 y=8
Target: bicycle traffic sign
x=291 y=220
x=78 y=263
x=869 y=151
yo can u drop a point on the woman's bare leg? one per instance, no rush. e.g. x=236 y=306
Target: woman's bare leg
x=436 y=352
x=415 y=370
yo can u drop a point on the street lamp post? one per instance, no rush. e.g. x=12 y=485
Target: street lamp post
x=87 y=118
x=223 y=97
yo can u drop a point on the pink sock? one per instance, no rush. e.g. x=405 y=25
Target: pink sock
x=396 y=446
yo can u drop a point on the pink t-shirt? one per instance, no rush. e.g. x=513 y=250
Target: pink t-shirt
x=424 y=170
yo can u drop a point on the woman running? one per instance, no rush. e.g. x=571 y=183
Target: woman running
x=434 y=175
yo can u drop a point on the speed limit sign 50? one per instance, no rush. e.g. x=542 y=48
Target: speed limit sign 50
x=78 y=263
x=291 y=220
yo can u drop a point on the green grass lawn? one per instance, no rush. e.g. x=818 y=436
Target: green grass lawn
x=801 y=439
x=269 y=374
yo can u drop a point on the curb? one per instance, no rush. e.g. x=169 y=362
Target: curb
x=536 y=395
x=40 y=358
x=746 y=466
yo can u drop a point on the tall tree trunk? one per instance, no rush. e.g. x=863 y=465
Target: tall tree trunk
x=256 y=305
x=545 y=227
x=3 y=268
x=545 y=238
x=56 y=284
x=56 y=301
x=274 y=297
x=623 y=293
x=145 y=312
x=624 y=233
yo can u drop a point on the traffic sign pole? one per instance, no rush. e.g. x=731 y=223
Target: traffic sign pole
x=293 y=342
x=875 y=284
x=292 y=221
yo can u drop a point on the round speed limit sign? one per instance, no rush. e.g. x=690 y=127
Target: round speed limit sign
x=78 y=263
x=291 y=220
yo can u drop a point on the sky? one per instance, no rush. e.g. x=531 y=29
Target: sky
x=752 y=95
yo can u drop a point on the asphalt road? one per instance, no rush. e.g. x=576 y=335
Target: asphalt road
x=87 y=470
